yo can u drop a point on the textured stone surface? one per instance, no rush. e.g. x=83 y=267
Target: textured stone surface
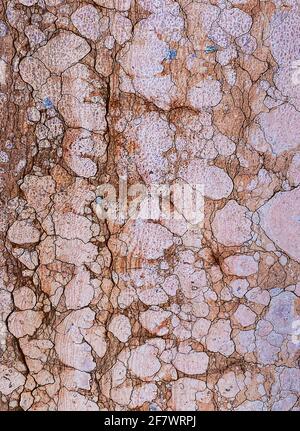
x=186 y=302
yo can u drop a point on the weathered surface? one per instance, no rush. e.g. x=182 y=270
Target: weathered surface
x=190 y=302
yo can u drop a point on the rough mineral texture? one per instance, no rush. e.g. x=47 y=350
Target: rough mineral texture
x=141 y=311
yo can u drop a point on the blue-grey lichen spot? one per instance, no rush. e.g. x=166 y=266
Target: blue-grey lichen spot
x=211 y=48
x=47 y=102
x=171 y=55
x=153 y=408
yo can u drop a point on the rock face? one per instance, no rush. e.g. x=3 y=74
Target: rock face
x=23 y=232
x=62 y=51
x=241 y=265
x=281 y=221
x=237 y=231
x=87 y=21
x=150 y=205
